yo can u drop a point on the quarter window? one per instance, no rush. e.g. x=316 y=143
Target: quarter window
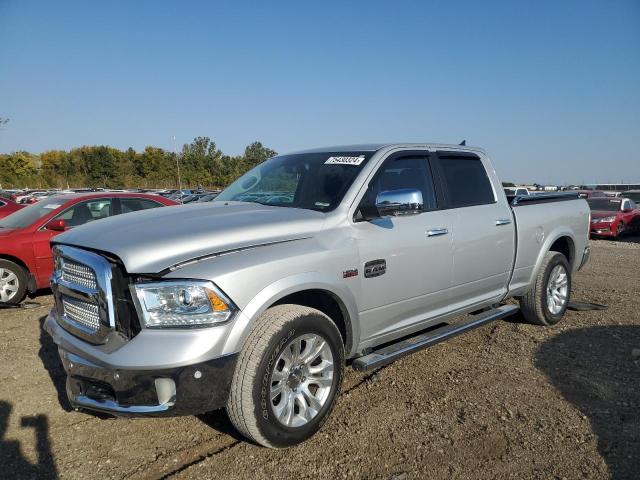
x=466 y=181
x=134 y=204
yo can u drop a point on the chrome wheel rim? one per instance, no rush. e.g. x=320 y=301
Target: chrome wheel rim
x=9 y=284
x=557 y=289
x=301 y=380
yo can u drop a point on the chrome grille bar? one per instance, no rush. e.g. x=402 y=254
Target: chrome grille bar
x=84 y=313
x=75 y=273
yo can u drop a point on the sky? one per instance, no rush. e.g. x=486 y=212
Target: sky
x=551 y=89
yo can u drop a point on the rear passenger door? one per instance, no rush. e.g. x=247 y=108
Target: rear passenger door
x=483 y=230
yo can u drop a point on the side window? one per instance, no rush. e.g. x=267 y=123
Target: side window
x=85 y=212
x=466 y=181
x=134 y=204
x=401 y=173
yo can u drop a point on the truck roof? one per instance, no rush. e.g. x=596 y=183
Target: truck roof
x=372 y=147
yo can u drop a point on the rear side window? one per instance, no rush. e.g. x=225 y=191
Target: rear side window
x=466 y=181
x=134 y=204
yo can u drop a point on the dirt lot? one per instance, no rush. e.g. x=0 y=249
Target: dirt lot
x=509 y=400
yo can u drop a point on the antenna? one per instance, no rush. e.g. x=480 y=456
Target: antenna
x=175 y=148
x=463 y=143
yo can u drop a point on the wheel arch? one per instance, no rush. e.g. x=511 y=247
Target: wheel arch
x=308 y=289
x=562 y=242
x=16 y=260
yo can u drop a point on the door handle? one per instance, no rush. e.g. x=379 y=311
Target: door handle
x=502 y=221
x=434 y=232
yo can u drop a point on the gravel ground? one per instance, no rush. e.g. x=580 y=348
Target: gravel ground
x=509 y=400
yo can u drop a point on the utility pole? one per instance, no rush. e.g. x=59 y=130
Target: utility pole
x=175 y=148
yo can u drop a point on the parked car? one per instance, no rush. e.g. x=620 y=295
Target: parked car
x=632 y=195
x=343 y=253
x=25 y=254
x=612 y=217
x=590 y=193
x=208 y=197
x=513 y=191
x=7 y=207
x=22 y=194
x=37 y=196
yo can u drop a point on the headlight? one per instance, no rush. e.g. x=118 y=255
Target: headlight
x=182 y=303
x=603 y=220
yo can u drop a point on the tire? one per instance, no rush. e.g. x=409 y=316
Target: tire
x=13 y=282
x=261 y=370
x=620 y=229
x=535 y=305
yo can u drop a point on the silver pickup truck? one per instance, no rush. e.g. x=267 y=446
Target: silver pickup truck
x=309 y=262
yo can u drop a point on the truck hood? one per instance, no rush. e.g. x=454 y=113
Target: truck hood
x=151 y=241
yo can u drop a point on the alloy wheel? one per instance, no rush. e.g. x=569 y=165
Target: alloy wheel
x=557 y=289
x=301 y=380
x=9 y=284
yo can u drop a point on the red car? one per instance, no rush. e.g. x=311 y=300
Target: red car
x=7 y=207
x=611 y=217
x=590 y=193
x=25 y=254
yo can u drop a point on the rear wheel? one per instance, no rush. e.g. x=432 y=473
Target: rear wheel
x=13 y=282
x=547 y=300
x=287 y=377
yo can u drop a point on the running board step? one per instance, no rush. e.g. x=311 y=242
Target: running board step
x=390 y=353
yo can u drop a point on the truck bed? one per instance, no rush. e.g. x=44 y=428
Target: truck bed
x=546 y=218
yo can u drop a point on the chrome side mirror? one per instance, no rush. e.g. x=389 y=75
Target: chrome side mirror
x=393 y=203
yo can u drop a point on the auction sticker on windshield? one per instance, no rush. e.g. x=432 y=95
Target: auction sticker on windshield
x=52 y=206
x=345 y=160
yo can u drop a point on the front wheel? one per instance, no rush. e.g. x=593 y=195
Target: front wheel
x=620 y=229
x=287 y=377
x=13 y=282
x=547 y=300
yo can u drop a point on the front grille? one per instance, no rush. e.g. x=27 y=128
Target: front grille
x=83 y=313
x=82 y=284
x=78 y=274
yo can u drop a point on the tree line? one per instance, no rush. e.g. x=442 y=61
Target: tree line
x=201 y=162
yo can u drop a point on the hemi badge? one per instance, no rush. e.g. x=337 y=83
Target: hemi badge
x=350 y=273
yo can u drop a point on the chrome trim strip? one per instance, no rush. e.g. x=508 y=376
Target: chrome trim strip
x=109 y=406
x=434 y=232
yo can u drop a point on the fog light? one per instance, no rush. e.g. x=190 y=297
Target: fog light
x=166 y=390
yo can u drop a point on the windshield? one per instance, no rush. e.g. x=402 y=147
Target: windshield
x=604 y=204
x=315 y=181
x=26 y=216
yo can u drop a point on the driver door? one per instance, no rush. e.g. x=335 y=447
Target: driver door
x=411 y=255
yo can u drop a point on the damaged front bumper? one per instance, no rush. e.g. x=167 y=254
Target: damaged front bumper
x=99 y=386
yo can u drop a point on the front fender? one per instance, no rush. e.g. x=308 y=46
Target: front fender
x=286 y=286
